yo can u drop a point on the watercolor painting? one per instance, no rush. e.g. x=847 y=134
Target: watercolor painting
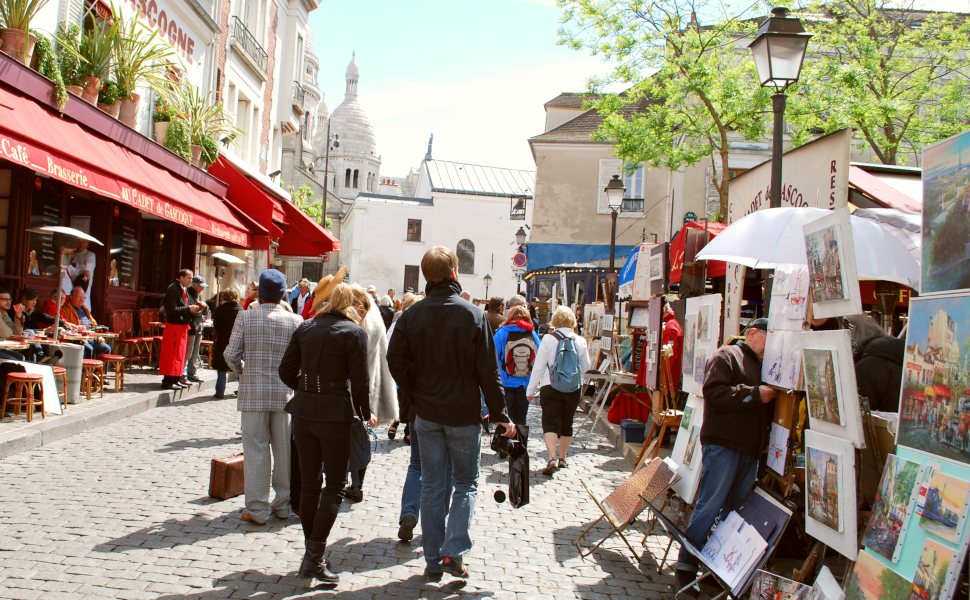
x=871 y=580
x=821 y=387
x=691 y=445
x=931 y=571
x=945 y=507
x=946 y=215
x=690 y=342
x=782 y=363
x=832 y=280
x=685 y=419
x=704 y=322
x=892 y=507
x=824 y=481
x=768 y=586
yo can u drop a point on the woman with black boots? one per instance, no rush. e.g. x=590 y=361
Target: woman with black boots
x=326 y=364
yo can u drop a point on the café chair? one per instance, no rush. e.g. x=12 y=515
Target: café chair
x=27 y=390
x=92 y=377
x=60 y=373
x=205 y=349
x=118 y=362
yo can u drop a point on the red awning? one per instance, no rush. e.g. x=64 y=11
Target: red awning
x=40 y=140
x=715 y=268
x=249 y=199
x=302 y=236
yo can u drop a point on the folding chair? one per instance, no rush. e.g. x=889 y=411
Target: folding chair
x=665 y=414
x=624 y=504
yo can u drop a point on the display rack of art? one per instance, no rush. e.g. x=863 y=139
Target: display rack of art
x=641 y=276
x=830 y=492
x=830 y=385
x=652 y=344
x=687 y=450
x=833 y=282
x=946 y=183
x=701 y=335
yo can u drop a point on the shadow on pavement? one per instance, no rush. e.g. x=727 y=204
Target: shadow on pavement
x=177 y=445
x=174 y=532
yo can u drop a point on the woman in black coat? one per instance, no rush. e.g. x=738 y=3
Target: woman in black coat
x=878 y=362
x=223 y=318
x=325 y=353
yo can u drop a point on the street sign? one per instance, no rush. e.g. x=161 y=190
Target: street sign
x=519 y=260
x=690 y=217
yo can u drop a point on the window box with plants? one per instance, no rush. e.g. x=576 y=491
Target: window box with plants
x=46 y=63
x=95 y=52
x=139 y=58
x=67 y=42
x=15 y=36
x=109 y=98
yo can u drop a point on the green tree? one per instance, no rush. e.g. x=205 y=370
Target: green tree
x=304 y=199
x=688 y=86
x=897 y=75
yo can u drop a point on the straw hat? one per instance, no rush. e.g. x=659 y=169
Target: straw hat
x=326 y=286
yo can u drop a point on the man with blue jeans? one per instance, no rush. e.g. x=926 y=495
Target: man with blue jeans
x=737 y=415
x=443 y=358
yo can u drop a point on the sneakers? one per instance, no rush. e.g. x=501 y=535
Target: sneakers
x=550 y=468
x=249 y=518
x=454 y=566
x=405 y=532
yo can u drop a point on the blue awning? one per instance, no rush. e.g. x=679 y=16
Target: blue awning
x=547 y=255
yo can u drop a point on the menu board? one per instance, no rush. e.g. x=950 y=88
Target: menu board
x=41 y=253
x=122 y=265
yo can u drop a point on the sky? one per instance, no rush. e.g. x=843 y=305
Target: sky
x=475 y=73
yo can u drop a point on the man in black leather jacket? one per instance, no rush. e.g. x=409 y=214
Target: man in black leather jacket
x=443 y=357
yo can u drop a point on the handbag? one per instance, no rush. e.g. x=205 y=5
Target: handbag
x=361 y=438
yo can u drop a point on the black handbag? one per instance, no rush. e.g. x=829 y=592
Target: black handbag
x=361 y=438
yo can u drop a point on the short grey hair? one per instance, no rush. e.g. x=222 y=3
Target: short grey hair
x=862 y=330
x=515 y=300
x=385 y=301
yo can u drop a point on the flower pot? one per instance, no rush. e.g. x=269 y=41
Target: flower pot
x=92 y=85
x=76 y=90
x=196 y=154
x=17 y=44
x=129 y=110
x=161 y=130
x=111 y=109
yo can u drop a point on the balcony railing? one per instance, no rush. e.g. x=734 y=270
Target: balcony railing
x=633 y=205
x=247 y=41
x=299 y=96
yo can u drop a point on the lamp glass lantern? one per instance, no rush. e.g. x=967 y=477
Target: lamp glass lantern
x=520 y=236
x=779 y=49
x=487 y=280
x=614 y=193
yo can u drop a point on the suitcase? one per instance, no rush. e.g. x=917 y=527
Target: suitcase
x=226 y=477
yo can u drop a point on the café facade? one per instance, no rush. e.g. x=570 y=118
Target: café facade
x=154 y=212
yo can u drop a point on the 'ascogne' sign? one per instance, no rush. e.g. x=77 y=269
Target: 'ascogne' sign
x=816 y=175
x=73 y=174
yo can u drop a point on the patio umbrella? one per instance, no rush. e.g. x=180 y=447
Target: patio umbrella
x=769 y=238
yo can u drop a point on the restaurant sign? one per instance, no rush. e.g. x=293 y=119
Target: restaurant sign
x=73 y=174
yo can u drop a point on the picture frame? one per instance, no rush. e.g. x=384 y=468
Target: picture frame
x=702 y=317
x=782 y=363
x=895 y=501
x=872 y=580
x=830 y=385
x=659 y=269
x=689 y=472
x=830 y=492
x=833 y=281
x=946 y=175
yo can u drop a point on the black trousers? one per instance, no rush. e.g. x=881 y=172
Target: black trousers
x=321 y=444
x=517 y=404
x=558 y=409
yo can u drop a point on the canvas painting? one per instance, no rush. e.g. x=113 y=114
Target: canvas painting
x=945 y=508
x=931 y=571
x=830 y=385
x=946 y=216
x=704 y=323
x=685 y=419
x=782 y=363
x=830 y=492
x=768 y=586
x=658 y=269
x=833 y=284
x=892 y=508
x=934 y=408
x=702 y=318
x=690 y=341
x=778 y=448
x=871 y=580
x=691 y=445
x=689 y=472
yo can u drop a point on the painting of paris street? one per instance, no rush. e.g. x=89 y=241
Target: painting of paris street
x=934 y=404
x=821 y=384
x=892 y=507
x=946 y=216
x=824 y=487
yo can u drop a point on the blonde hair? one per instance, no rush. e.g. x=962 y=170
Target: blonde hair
x=361 y=297
x=342 y=301
x=438 y=263
x=517 y=313
x=564 y=317
x=410 y=300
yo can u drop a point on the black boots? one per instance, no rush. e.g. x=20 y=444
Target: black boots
x=315 y=566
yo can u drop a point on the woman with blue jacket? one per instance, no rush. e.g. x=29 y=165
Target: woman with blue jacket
x=516 y=344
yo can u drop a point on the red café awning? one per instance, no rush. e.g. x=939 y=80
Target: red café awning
x=302 y=236
x=33 y=137
x=715 y=268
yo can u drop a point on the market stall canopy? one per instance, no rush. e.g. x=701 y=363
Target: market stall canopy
x=61 y=230
x=677 y=245
x=40 y=140
x=769 y=238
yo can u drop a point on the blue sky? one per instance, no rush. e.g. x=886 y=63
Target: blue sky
x=473 y=72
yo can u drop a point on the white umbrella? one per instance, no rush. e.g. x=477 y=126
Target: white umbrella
x=769 y=238
x=229 y=258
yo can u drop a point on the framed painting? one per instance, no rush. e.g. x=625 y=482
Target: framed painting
x=658 y=269
x=782 y=362
x=830 y=492
x=830 y=385
x=932 y=571
x=689 y=471
x=701 y=336
x=946 y=183
x=768 y=586
x=872 y=580
x=690 y=342
x=944 y=511
x=832 y=280
x=895 y=500
x=934 y=402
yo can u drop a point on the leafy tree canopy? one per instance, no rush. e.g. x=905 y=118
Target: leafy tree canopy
x=304 y=199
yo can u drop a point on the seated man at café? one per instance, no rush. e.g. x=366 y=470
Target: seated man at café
x=73 y=312
x=9 y=326
x=33 y=320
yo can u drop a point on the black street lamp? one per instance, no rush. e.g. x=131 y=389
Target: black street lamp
x=488 y=281
x=520 y=236
x=332 y=142
x=614 y=198
x=779 y=50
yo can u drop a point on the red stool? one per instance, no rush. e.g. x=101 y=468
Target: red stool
x=92 y=377
x=118 y=362
x=28 y=390
x=61 y=373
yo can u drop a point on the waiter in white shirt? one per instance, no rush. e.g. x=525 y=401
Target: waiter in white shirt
x=85 y=262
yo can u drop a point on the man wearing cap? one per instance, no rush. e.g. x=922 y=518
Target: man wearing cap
x=194 y=340
x=179 y=313
x=302 y=295
x=259 y=338
x=737 y=415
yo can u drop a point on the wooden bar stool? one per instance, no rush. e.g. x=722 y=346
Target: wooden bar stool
x=61 y=373
x=118 y=362
x=205 y=349
x=92 y=377
x=28 y=390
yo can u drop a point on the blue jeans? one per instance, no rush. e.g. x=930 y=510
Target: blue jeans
x=726 y=478
x=461 y=446
x=221 y=383
x=411 y=494
x=94 y=349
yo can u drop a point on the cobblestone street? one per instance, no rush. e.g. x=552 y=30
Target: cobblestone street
x=122 y=511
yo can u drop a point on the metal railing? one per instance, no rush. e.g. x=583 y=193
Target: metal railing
x=247 y=41
x=633 y=205
x=299 y=94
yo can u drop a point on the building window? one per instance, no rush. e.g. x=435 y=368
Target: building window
x=466 y=257
x=347 y=179
x=299 y=54
x=414 y=230
x=633 y=197
x=411 y=277
x=356 y=179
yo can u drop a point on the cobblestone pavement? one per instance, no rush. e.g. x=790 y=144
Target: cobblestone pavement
x=121 y=511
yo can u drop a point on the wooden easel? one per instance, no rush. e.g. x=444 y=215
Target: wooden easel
x=665 y=414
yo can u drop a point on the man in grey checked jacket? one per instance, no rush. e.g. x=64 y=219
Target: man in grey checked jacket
x=259 y=338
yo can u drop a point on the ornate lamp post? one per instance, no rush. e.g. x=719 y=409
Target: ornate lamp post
x=779 y=50
x=614 y=197
x=332 y=142
x=488 y=281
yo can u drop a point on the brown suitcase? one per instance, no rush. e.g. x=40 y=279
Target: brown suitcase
x=226 y=477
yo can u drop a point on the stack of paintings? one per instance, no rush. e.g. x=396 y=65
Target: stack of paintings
x=701 y=335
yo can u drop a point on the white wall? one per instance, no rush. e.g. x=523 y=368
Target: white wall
x=374 y=241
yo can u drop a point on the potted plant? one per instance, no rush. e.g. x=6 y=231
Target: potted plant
x=95 y=50
x=177 y=138
x=206 y=119
x=47 y=65
x=210 y=152
x=66 y=43
x=139 y=58
x=15 y=36
x=161 y=115
x=109 y=98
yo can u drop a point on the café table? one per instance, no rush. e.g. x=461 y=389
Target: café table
x=72 y=355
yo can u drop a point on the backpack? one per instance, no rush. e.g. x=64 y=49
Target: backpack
x=565 y=375
x=520 y=353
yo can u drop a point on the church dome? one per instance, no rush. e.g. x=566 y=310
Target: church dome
x=350 y=122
